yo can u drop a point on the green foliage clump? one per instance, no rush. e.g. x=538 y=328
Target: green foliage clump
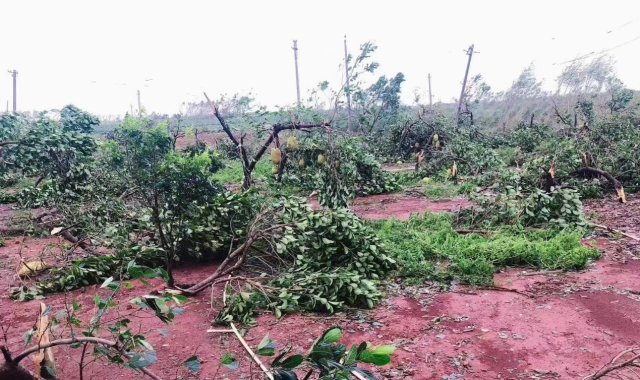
x=215 y=160
x=90 y=271
x=331 y=259
x=560 y=208
x=347 y=170
x=327 y=239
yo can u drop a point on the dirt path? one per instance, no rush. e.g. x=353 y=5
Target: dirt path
x=559 y=326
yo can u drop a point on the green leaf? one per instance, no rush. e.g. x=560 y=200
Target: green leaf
x=266 y=346
x=383 y=350
x=351 y=356
x=229 y=361
x=332 y=335
x=52 y=372
x=192 y=364
x=264 y=342
x=107 y=282
x=27 y=336
x=141 y=360
x=47 y=310
x=292 y=361
x=370 y=357
x=284 y=374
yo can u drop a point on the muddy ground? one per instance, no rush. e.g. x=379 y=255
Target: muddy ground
x=551 y=326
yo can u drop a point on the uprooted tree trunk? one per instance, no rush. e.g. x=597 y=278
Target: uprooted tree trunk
x=616 y=184
x=249 y=164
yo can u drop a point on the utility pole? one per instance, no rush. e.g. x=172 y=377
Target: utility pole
x=430 y=97
x=139 y=105
x=346 y=69
x=464 y=83
x=14 y=74
x=295 y=57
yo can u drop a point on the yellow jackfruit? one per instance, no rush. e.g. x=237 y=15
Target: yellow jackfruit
x=301 y=163
x=31 y=267
x=274 y=170
x=292 y=143
x=320 y=159
x=276 y=156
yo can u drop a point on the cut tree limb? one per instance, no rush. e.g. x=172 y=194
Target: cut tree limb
x=12 y=231
x=616 y=184
x=481 y=232
x=611 y=229
x=81 y=243
x=614 y=364
x=43 y=360
x=14 y=363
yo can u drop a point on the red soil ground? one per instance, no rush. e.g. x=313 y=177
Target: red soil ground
x=399 y=205
x=556 y=326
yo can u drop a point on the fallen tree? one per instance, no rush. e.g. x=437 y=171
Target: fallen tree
x=617 y=185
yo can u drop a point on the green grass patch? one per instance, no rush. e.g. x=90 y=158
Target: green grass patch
x=440 y=190
x=425 y=243
x=232 y=171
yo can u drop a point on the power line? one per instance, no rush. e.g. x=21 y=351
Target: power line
x=625 y=24
x=600 y=52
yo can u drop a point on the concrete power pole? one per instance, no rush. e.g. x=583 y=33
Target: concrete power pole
x=139 y=105
x=295 y=57
x=14 y=74
x=464 y=82
x=430 y=97
x=346 y=84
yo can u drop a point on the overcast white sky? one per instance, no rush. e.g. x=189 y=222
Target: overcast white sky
x=96 y=54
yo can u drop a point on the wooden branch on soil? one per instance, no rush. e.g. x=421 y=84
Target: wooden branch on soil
x=12 y=231
x=501 y=289
x=81 y=243
x=616 y=184
x=611 y=229
x=40 y=216
x=541 y=273
x=615 y=365
x=481 y=232
x=225 y=268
